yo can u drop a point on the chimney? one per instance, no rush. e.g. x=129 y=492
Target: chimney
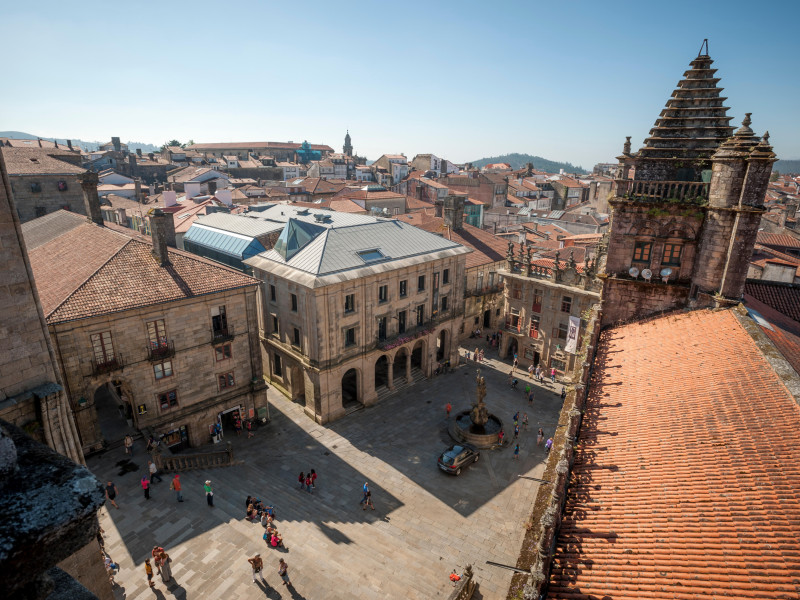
x=55 y=141
x=791 y=209
x=782 y=219
x=162 y=228
x=91 y=200
x=132 y=163
x=117 y=145
x=212 y=187
x=139 y=152
x=169 y=198
x=69 y=144
x=151 y=189
x=454 y=212
x=150 y=155
x=40 y=142
x=137 y=182
x=521 y=238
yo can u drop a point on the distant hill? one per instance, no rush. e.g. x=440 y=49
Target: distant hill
x=787 y=166
x=89 y=146
x=518 y=161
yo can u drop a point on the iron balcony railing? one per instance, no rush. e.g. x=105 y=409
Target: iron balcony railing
x=158 y=351
x=221 y=334
x=107 y=364
x=482 y=291
x=694 y=192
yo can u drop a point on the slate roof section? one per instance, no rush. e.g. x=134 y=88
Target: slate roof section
x=686 y=481
x=50 y=226
x=91 y=270
x=783 y=297
x=39 y=161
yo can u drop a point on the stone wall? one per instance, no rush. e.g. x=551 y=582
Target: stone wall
x=271 y=173
x=87 y=568
x=30 y=204
x=626 y=299
x=194 y=365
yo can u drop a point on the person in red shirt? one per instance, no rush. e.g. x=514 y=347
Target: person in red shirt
x=448 y=407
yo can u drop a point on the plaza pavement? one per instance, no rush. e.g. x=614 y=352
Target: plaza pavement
x=425 y=524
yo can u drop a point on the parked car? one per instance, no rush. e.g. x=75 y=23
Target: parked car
x=458 y=456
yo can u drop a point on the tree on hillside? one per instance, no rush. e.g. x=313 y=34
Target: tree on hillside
x=189 y=143
x=170 y=143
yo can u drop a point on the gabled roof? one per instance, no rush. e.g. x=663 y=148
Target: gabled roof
x=777 y=239
x=686 y=475
x=783 y=297
x=39 y=161
x=91 y=270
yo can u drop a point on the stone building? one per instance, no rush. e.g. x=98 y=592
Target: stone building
x=355 y=306
x=687 y=206
x=145 y=333
x=44 y=180
x=280 y=151
x=545 y=301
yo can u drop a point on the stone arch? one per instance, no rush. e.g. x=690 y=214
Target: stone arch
x=399 y=362
x=644 y=228
x=114 y=411
x=382 y=371
x=442 y=344
x=351 y=385
x=678 y=230
x=418 y=355
x=297 y=386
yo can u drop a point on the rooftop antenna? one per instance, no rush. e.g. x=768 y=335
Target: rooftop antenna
x=703 y=45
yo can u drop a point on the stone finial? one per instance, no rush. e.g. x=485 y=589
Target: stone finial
x=626 y=147
x=745 y=128
x=558 y=255
x=766 y=137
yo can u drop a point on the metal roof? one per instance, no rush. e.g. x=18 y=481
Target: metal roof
x=251 y=226
x=226 y=242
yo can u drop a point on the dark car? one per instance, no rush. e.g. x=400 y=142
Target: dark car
x=458 y=456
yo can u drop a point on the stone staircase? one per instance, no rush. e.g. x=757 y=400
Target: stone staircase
x=400 y=383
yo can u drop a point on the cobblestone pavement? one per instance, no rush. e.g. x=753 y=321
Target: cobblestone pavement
x=425 y=524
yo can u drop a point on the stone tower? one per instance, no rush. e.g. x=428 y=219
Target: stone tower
x=32 y=395
x=348 y=147
x=686 y=207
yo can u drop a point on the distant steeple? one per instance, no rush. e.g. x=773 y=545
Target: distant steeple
x=348 y=147
x=694 y=122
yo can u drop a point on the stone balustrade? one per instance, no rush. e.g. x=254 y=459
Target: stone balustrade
x=187 y=462
x=695 y=192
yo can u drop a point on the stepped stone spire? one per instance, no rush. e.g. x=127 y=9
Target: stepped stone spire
x=694 y=122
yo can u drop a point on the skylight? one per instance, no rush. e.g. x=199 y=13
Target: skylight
x=370 y=255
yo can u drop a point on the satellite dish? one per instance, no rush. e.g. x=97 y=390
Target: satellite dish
x=647 y=274
x=665 y=273
x=633 y=272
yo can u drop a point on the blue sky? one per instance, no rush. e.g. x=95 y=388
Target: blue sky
x=567 y=80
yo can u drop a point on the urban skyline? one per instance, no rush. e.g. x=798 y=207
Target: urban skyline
x=463 y=83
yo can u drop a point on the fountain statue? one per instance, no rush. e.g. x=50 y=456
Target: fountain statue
x=477 y=426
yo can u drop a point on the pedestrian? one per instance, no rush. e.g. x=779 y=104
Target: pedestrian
x=166 y=569
x=516 y=431
x=516 y=362
x=283 y=571
x=547 y=445
x=516 y=417
x=301 y=479
x=365 y=490
x=368 y=501
x=516 y=452
x=149 y=570
x=156 y=554
x=540 y=437
x=209 y=492
x=455 y=578
x=530 y=370
x=111 y=493
x=447 y=408
x=249 y=430
x=563 y=392
x=146 y=487
x=477 y=355
x=538 y=371
x=175 y=486
x=313 y=479
x=500 y=437
x=153 y=471
x=128 y=445
x=525 y=421
x=530 y=398
x=527 y=389
x=469 y=356
x=258 y=567
x=553 y=375
x=237 y=424
x=308 y=482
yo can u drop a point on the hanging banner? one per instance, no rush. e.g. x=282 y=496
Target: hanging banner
x=572 y=335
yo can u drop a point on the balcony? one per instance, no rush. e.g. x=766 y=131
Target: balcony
x=158 y=351
x=221 y=334
x=111 y=363
x=685 y=192
x=483 y=291
x=416 y=332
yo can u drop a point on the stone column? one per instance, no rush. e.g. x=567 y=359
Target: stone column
x=390 y=374
x=408 y=367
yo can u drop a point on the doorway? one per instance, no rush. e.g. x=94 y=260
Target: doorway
x=417 y=355
x=350 y=389
x=228 y=417
x=400 y=363
x=487 y=319
x=441 y=345
x=114 y=412
x=536 y=358
x=381 y=372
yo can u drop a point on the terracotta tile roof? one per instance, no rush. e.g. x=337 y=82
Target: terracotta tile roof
x=42 y=230
x=777 y=239
x=783 y=297
x=780 y=329
x=92 y=270
x=417 y=204
x=39 y=161
x=343 y=205
x=686 y=481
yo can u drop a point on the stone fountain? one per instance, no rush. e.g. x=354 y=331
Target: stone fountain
x=477 y=426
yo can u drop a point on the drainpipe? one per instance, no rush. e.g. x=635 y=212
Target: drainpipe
x=734 y=230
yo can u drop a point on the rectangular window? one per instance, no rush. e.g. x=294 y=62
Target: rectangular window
x=157 y=333
x=272 y=293
x=444 y=303
x=537 y=301
x=641 y=252
x=516 y=293
x=558 y=365
x=36 y=188
x=102 y=347
x=566 y=304
x=294 y=302
x=277 y=369
x=296 y=337
x=163 y=369
x=381 y=328
x=219 y=321
x=672 y=254
x=350 y=337
x=480 y=280
x=349 y=303
x=383 y=293
x=513 y=320
x=168 y=400
x=560 y=332
x=420 y=314
x=403 y=288
x=534 y=332
x=223 y=352
x=225 y=381
x=401 y=322
x=445 y=276
x=275 y=325
x=421 y=283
